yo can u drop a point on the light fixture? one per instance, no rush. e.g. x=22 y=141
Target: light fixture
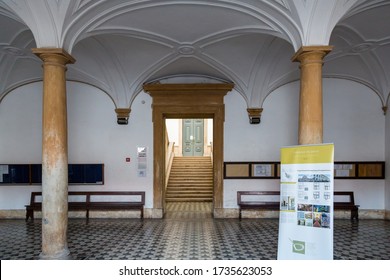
x=122 y=115
x=254 y=115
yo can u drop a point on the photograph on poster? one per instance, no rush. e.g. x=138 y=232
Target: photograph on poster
x=313 y=178
x=284 y=203
x=301 y=218
x=309 y=222
x=326 y=195
x=308 y=219
x=317 y=220
x=318 y=216
x=305 y=207
x=325 y=220
x=321 y=208
x=287 y=202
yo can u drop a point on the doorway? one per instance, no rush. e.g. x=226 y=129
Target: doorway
x=189 y=189
x=190 y=137
x=186 y=101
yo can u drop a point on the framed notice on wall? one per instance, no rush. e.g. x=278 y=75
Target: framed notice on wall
x=237 y=170
x=263 y=170
x=142 y=157
x=359 y=170
x=345 y=170
x=271 y=170
x=251 y=170
x=31 y=174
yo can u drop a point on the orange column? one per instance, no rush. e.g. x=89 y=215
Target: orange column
x=310 y=100
x=54 y=154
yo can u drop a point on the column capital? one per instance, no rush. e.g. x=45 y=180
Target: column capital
x=319 y=52
x=53 y=55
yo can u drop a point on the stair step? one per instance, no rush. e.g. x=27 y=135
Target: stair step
x=193 y=190
x=192 y=168
x=190 y=194
x=190 y=179
x=186 y=187
x=189 y=200
x=190 y=189
x=190 y=184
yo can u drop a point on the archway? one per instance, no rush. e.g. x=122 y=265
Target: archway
x=187 y=101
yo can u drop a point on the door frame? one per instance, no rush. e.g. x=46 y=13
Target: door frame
x=187 y=101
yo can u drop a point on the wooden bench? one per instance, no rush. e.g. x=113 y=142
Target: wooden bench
x=348 y=204
x=274 y=204
x=257 y=204
x=94 y=201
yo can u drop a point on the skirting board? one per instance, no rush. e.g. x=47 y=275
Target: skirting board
x=219 y=213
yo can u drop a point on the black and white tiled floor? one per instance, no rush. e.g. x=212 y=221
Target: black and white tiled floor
x=187 y=232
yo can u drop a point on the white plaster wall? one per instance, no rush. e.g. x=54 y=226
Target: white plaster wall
x=21 y=125
x=353 y=121
x=261 y=142
x=173 y=127
x=94 y=137
x=20 y=139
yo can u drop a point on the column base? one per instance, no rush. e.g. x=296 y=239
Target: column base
x=155 y=213
x=63 y=255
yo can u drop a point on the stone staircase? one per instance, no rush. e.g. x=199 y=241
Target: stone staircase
x=190 y=180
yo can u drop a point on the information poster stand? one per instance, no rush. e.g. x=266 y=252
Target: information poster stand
x=306 y=203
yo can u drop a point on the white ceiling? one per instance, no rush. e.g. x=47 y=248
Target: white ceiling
x=120 y=45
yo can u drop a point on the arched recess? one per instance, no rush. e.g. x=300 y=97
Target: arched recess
x=187 y=101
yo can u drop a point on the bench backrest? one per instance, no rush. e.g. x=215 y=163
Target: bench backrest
x=87 y=195
x=33 y=197
x=348 y=195
x=241 y=194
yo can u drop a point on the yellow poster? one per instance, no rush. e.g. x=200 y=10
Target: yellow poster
x=307 y=154
x=306 y=203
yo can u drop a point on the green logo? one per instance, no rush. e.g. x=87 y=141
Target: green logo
x=298 y=247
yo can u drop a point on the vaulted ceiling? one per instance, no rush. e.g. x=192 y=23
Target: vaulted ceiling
x=120 y=45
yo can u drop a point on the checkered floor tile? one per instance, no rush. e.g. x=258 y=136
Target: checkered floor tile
x=187 y=232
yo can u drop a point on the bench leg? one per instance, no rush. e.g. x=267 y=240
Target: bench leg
x=27 y=215
x=354 y=214
x=30 y=214
x=142 y=213
x=239 y=214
